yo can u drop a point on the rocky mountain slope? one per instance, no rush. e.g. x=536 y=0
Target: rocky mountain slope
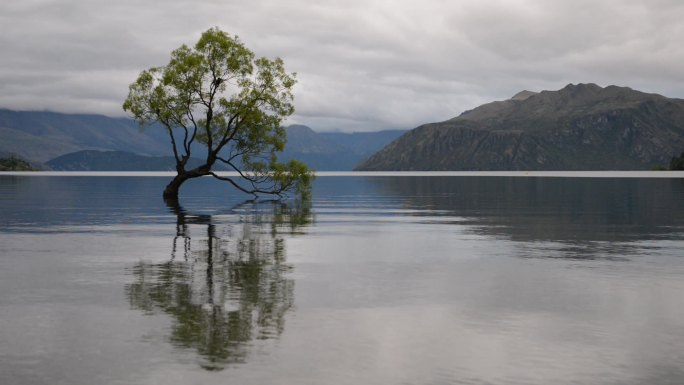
x=580 y=127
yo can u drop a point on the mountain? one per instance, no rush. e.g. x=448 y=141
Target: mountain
x=40 y=136
x=334 y=151
x=98 y=143
x=93 y=160
x=322 y=152
x=580 y=127
x=363 y=144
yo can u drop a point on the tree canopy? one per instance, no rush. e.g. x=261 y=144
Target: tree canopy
x=219 y=98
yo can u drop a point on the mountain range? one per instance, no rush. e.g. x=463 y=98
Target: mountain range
x=78 y=142
x=334 y=151
x=580 y=127
x=39 y=136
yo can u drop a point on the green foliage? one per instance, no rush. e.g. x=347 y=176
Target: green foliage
x=219 y=94
x=14 y=164
x=677 y=163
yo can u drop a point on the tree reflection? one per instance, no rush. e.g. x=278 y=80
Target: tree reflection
x=226 y=283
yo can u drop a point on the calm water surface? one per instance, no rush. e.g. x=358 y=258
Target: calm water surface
x=377 y=280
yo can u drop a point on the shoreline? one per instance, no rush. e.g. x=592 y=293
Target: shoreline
x=529 y=174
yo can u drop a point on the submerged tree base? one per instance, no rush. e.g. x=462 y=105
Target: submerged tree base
x=172 y=189
x=293 y=175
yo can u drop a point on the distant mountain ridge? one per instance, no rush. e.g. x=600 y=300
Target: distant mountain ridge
x=40 y=136
x=334 y=151
x=580 y=127
x=94 y=160
x=84 y=142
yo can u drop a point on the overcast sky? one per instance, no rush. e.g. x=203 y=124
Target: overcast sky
x=362 y=65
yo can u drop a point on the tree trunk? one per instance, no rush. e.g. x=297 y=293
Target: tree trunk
x=171 y=190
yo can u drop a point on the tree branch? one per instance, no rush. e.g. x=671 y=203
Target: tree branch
x=169 y=130
x=254 y=191
x=194 y=131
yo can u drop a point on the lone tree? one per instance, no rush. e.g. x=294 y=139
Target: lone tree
x=219 y=95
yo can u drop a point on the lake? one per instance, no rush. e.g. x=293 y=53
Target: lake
x=379 y=279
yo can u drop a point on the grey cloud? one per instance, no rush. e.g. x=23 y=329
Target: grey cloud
x=362 y=65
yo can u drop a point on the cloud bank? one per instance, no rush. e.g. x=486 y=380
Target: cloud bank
x=362 y=65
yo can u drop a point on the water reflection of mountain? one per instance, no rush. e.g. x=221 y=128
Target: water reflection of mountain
x=226 y=283
x=551 y=209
